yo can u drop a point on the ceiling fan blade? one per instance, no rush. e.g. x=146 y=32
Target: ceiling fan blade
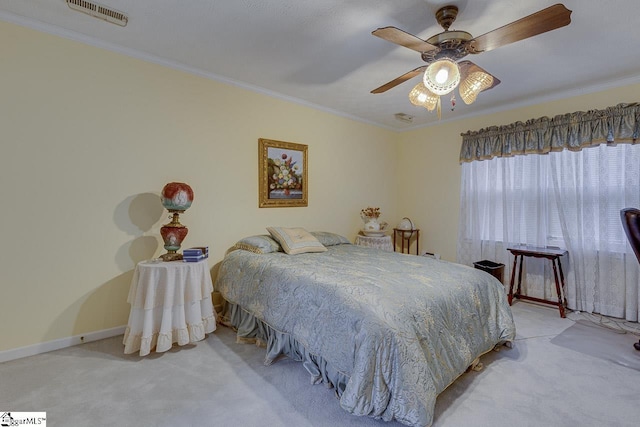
x=403 y=78
x=548 y=19
x=402 y=38
x=468 y=67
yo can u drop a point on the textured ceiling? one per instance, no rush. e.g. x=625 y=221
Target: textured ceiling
x=322 y=53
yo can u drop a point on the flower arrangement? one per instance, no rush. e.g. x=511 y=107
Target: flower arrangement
x=284 y=174
x=370 y=212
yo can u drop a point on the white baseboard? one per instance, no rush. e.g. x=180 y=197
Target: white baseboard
x=44 y=347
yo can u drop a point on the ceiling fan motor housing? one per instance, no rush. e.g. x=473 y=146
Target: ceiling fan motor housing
x=450 y=44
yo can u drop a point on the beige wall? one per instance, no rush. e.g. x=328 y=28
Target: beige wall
x=429 y=171
x=90 y=137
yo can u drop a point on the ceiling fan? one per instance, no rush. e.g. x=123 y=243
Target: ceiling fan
x=442 y=53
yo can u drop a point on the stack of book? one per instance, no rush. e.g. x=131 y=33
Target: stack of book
x=195 y=254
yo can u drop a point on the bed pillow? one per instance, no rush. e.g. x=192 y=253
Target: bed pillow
x=260 y=244
x=296 y=240
x=330 y=239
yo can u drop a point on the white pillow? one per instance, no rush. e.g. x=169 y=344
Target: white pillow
x=296 y=240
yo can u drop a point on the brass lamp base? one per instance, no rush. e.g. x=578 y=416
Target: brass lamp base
x=171 y=256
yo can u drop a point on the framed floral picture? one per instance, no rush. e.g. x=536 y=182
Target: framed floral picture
x=282 y=174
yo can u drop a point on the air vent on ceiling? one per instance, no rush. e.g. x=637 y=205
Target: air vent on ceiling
x=403 y=117
x=99 y=11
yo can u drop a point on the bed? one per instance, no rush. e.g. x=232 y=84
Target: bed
x=387 y=331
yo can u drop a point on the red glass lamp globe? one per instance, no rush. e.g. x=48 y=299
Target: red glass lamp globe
x=177 y=196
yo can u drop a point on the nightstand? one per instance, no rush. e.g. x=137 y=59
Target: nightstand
x=170 y=303
x=407 y=236
x=378 y=242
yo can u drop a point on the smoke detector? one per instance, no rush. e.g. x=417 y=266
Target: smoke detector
x=403 y=117
x=99 y=11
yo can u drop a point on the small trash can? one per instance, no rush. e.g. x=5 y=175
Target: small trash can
x=493 y=268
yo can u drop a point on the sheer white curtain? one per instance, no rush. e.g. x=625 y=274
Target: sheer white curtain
x=567 y=199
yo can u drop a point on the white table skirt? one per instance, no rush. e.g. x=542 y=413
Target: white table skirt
x=378 y=242
x=170 y=303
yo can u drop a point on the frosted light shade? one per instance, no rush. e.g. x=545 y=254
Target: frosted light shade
x=420 y=96
x=475 y=83
x=442 y=76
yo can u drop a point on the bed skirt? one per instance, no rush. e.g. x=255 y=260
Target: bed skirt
x=250 y=329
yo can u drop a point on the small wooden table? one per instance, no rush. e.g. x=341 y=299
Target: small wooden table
x=406 y=235
x=551 y=253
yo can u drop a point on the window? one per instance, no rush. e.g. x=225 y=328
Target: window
x=570 y=199
x=521 y=205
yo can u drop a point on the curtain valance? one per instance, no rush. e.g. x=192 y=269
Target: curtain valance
x=573 y=131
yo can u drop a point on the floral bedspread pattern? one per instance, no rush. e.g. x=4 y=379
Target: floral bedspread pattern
x=401 y=327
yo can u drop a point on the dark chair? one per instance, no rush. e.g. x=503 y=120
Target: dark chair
x=631 y=224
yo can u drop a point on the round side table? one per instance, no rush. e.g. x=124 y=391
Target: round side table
x=378 y=242
x=170 y=303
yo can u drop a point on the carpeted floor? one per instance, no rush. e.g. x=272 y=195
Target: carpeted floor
x=600 y=341
x=541 y=381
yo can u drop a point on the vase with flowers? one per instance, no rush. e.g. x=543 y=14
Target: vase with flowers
x=371 y=216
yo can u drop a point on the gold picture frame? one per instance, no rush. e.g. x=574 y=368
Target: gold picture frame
x=282 y=174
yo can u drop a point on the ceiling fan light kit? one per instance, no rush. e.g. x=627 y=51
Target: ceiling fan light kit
x=443 y=51
x=420 y=96
x=473 y=85
x=442 y=76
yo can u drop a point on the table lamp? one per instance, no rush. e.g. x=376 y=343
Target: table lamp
x=176 y=197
